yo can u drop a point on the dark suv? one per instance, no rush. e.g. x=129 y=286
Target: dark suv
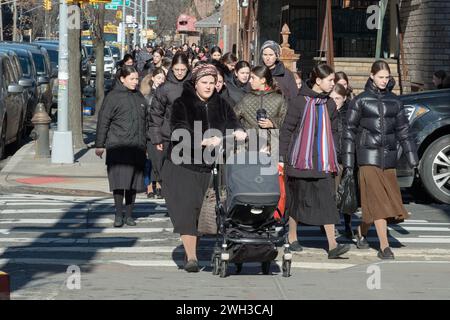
x=429 y=116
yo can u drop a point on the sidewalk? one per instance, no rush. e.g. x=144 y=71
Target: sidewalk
x=87 y=176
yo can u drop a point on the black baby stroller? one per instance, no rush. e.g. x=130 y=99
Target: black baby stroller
x=247 y=229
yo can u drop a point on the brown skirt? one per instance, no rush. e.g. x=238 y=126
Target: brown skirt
x=380 y=195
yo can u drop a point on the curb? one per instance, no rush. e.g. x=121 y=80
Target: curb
x=10 y=187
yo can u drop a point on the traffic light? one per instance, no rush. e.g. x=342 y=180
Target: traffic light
x=47 y=5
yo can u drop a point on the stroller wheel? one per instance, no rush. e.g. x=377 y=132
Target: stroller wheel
x=216 y=265
x=286 y=268
x=265 y=267
x=238 y=268
x=223 y=269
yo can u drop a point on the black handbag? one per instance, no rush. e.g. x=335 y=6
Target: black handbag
x=346 y=195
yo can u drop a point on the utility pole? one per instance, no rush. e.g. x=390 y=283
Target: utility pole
x=62 y=148
x=146 y=14
x=135 y=19
x=142 y=23
x=124 y=29
x=1 y=21
x=15 y=21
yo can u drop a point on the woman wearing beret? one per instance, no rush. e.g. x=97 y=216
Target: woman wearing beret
x=186 y=177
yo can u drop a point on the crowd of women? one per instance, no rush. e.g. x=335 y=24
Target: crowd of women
x=325 y=134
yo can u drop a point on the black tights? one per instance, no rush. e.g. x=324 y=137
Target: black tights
x=348 y=221
x=130 y=198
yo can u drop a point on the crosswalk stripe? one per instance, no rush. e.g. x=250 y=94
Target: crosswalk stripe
x=29 y=229
x=166 y=263
x=79 y=210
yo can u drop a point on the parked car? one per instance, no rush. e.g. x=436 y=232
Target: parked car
x=11 y=111
x=109 y=66
x=44 y=71
x=429 y=116
x=28 y=81
x=52 y=48
x=116 y=53
x=18 y=78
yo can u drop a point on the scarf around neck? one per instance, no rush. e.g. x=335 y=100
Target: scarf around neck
x=302 y=154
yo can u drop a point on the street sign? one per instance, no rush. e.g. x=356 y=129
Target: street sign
x=132 y=25
x=120 y=2
x=111 y=7
x=152 y=18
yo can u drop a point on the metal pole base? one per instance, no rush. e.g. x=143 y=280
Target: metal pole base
x=62 y=147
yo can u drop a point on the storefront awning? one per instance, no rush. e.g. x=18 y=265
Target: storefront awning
x=213 y=21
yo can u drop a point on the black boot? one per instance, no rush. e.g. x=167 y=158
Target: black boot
x=129 y=221
x=118 y=221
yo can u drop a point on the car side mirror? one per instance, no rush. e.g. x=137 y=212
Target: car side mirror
x=43 y=80
x=26 y=83
x=15 y=88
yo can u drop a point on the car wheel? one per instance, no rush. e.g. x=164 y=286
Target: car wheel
x=435 y=169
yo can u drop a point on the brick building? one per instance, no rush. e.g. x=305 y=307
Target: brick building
x=425 y=25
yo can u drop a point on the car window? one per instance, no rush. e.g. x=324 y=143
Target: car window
x=107 y=52
x=7 y=71
x=53 y=54
x=26 y=67
x=39 y=62
x=89 y=50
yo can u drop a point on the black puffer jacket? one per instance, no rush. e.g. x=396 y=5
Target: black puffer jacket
x=215 y=113
x=285 y=80
x=161 y=107
x=121 y=126
x=236 y=89
x=376 y=123
x=291 y=128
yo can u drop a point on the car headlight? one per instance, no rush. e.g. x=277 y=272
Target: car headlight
x=414 y=112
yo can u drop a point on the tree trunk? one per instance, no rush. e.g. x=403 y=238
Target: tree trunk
x=75 y=109
x=99 y=44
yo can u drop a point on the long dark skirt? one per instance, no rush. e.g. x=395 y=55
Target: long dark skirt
x=125 y=177
x=184 y=191
x=312 y=201
x=157 y=158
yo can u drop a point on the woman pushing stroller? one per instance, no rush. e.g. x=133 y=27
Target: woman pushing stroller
x=185 y=183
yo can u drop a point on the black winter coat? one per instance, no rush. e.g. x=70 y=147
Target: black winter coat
x=291 y=128
x=215 y=113
x=376 y=124
x=161 y=107
x=121 y=126
x=285 y=80
x=236 y=89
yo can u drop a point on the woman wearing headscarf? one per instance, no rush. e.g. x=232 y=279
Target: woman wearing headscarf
x=270 y=56
x=186 y=177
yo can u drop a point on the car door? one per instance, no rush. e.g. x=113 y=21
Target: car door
x=11 y=101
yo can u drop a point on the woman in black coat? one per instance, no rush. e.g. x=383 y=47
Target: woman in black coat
x=307 y=149
x=376 y=123
x=186 y=174
x=149 y=84
x=161 y=107
x=238 y=85
x=270 y=56
x=121 y=131
x=340 y=96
